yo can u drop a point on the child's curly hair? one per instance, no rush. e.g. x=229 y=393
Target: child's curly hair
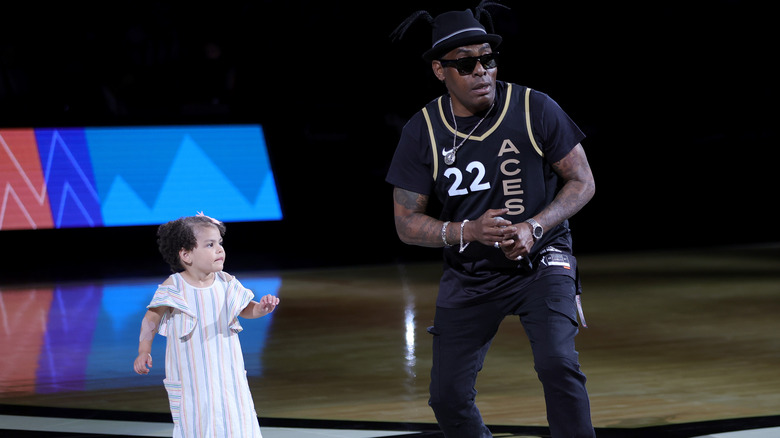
x=180 y=234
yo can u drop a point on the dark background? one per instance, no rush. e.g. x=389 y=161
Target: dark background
x=678 y=103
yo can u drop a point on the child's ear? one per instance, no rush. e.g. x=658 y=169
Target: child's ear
x=184 y=256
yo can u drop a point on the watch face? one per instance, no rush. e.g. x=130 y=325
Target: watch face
x=536 y=229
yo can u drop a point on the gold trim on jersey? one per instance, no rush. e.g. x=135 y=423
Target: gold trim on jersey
x=489 y=131
x=528 y=122
x=433 y=143
x=500 y=119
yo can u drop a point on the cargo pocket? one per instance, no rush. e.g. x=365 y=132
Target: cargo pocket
x=173 y=387
x=563 y=305
x=561 y=329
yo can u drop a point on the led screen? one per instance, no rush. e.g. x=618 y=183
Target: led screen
x=85 y=336
x=127 y=176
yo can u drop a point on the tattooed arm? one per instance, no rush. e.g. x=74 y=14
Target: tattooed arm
x=413 y=225
x=577 y=190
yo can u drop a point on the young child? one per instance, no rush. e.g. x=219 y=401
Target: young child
x=197 y=310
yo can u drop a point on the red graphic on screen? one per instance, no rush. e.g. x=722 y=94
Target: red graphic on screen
x=25 y=313
x=24 y=203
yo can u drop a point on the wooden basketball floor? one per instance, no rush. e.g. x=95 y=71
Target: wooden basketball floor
x=678 y=343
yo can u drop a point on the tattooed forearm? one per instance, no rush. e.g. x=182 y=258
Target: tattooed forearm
x=577 y=190
x=413 y=225
x=410 y=200
x=419 y=229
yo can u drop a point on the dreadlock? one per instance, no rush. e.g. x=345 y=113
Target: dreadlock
x=479 y=12
x=399 y=31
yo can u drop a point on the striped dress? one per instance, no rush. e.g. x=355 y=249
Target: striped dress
x=204 y=367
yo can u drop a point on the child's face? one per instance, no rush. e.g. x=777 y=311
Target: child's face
x=208 y=255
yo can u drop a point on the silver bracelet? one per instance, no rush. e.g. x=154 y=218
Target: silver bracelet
x=462 y=246
x=444 y=234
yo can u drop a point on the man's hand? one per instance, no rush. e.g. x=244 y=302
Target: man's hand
x=491 y=229
x=522 y=243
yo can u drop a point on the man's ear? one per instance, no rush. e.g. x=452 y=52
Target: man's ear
x=438 y=70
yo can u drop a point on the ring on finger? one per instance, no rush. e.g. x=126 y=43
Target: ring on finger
x=497 y=245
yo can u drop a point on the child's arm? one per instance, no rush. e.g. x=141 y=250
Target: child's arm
x=256 y=309
x=148 y=329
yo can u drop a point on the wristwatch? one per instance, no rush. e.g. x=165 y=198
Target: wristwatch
x=536 y=230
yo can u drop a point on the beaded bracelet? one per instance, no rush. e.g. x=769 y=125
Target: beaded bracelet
x=444 y=234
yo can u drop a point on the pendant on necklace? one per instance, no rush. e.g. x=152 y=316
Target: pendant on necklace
x=449 y=159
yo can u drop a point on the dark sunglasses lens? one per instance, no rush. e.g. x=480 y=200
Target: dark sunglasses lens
x=466 y=65
x=488 y=61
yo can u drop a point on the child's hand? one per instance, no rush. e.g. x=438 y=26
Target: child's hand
x=142 y=363
x=268 y=303
x=257 y=309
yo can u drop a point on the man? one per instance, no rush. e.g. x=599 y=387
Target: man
x=507 y=165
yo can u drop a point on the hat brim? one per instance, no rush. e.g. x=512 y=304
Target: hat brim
x=466 y=40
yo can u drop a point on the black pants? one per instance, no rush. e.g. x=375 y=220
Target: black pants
x=462 y=336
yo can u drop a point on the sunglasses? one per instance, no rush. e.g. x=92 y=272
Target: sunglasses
x=466 y=66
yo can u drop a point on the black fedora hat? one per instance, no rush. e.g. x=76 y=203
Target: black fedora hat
x=455 y=29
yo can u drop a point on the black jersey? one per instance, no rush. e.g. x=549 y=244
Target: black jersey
x=504 y=163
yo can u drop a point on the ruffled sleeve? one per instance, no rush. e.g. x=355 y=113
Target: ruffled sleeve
x=237 y=298
x=171 y=296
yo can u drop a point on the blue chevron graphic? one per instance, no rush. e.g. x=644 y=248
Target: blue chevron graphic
x=70 y=182
x=154 y=174
x=127 y=176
